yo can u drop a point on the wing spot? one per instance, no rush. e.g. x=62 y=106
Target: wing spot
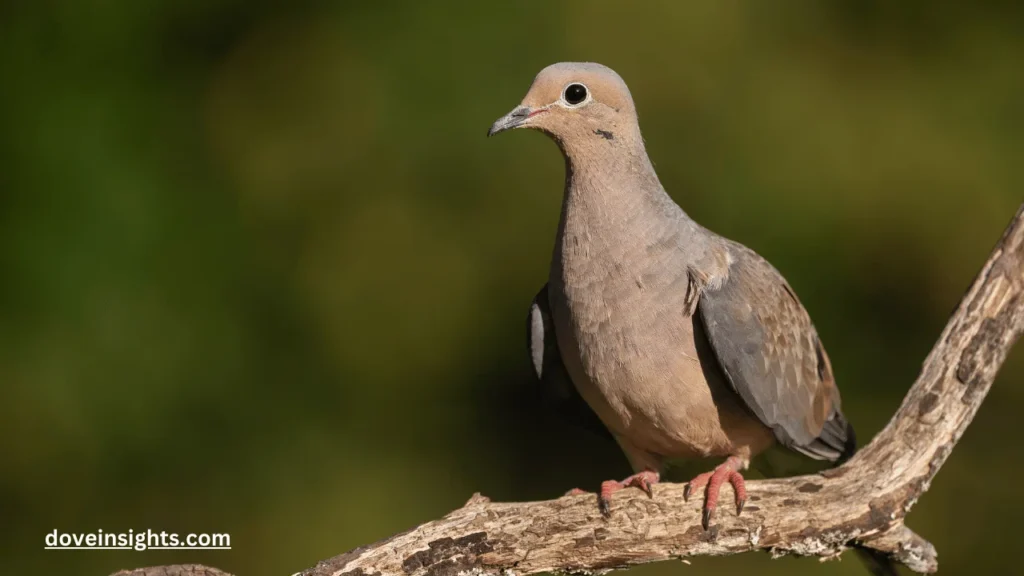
x=789 y=291
x=823 y=369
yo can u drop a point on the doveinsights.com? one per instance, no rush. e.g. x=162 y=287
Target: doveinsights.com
x=131 y=540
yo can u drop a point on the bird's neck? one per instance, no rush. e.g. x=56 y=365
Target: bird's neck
x=618 y=227
x=613 y=198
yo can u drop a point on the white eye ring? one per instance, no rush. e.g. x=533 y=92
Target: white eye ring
x=576 y=87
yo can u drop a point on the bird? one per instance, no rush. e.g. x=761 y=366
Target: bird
x=681 y=343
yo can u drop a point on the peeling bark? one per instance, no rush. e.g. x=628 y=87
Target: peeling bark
x=861 y=503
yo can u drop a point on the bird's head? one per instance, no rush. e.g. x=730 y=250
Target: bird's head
x=574 y=100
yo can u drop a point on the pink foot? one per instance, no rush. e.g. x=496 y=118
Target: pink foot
x=727 y=471
x=575 y=492
x=642 y=480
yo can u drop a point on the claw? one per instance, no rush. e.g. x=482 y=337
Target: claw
x=642 y=480
x=728 y=471
x=646 y=486
x=705 y=519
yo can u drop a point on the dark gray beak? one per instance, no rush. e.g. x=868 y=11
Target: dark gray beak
x=513 y=119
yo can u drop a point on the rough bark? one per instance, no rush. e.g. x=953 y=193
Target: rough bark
x=862 y=502
x=176 y=570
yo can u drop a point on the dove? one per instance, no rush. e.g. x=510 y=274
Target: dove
x=683 y=343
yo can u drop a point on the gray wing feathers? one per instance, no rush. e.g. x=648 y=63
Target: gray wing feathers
x=770 y=353
x=837 y=441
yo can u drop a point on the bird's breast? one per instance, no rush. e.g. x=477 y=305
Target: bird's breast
x=621 y=319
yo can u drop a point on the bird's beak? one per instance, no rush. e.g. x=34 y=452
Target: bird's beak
x=514 y=119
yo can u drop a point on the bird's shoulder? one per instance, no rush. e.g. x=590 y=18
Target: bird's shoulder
x=755 y=276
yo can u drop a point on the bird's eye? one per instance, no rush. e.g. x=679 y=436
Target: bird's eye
x=575 y=93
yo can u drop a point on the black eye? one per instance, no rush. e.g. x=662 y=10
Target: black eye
x=575 y=93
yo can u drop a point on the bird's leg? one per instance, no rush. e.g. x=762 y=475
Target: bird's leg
x=726 y=471
x=642 y=480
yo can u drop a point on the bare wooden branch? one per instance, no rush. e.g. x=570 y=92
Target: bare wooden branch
x=176 y=570
x=860 y=503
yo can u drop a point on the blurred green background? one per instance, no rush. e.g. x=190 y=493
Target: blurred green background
x=261 y=273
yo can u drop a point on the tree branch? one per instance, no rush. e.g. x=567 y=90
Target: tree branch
x=176 y=570
x=862 y=502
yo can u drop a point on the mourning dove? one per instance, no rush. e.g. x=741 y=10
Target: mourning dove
x=685 y=344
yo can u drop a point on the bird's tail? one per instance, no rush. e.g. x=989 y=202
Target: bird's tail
x=846 y=441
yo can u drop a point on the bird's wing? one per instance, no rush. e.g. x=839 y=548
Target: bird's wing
x=557 y=389
x=770 y=353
